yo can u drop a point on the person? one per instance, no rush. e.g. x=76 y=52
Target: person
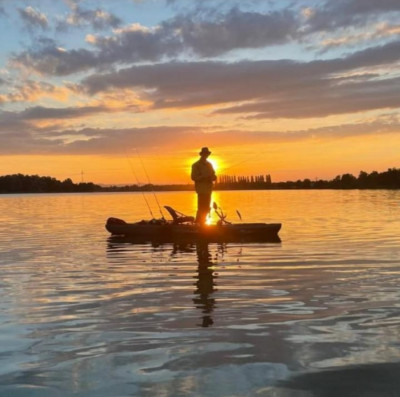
x=203 y=175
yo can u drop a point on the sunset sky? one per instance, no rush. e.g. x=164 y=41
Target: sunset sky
x=296 y=89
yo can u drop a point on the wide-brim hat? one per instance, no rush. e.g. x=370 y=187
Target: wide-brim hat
x=204 y=150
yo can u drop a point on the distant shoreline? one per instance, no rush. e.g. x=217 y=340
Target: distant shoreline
x=19 y=183
x=161 y=190
x=164 y=188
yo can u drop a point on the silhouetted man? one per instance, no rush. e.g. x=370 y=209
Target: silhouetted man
x=203 y=175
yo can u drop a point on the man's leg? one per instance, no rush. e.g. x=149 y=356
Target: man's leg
x=203 y=207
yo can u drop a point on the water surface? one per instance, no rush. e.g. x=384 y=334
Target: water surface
x=315 y=315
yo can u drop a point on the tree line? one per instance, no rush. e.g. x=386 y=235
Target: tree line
x=225 y=182
x=19 y=183
x=389 y=179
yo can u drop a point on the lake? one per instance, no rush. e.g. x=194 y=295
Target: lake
x=316 y=315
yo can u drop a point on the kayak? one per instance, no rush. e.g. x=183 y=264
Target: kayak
x=183 y=228
x=168 y=231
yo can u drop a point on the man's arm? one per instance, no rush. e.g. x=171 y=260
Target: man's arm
x=196 y=174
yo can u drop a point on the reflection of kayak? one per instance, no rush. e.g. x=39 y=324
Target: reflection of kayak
x=183 y=228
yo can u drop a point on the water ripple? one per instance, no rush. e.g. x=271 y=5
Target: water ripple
x=85 y=314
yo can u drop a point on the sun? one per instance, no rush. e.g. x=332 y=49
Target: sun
x=216 y=163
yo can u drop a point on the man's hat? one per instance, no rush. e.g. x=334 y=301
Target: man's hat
x=204 y=150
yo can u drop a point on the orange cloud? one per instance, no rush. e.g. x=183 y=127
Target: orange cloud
x=32 y=91
x=381 y=30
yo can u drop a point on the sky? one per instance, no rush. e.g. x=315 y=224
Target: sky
x=128 y=91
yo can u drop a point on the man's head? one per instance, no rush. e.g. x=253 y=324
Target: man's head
x=204 y=152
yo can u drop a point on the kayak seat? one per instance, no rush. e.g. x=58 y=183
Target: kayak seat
x=177 y=216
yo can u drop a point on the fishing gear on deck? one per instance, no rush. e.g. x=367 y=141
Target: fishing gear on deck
x=220 y=214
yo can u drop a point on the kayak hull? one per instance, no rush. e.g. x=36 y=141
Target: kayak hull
x=170 y=231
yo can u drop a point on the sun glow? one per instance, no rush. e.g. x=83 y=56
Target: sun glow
x=216 y=163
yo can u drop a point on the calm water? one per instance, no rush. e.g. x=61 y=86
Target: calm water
x=316 y=315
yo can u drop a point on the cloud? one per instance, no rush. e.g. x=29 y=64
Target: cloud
x=361 y=7
x=24 y=142
x=53 y=60
x=209 y=31
x=137 y=44
x=234 y=30
x=10 y=124
x=23 y=139
x=41 y=112
x=341 y=99
x=33 y=18
x=348 y=13
x=31 y=90
x=378 y=55
x=19 y=133
x=174 y=38
x=380 y=31
x=281 y=88
x=98 y=19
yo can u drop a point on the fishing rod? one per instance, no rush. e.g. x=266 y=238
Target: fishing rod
x=137 y=181
x=151 y=185
x=234 y=165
